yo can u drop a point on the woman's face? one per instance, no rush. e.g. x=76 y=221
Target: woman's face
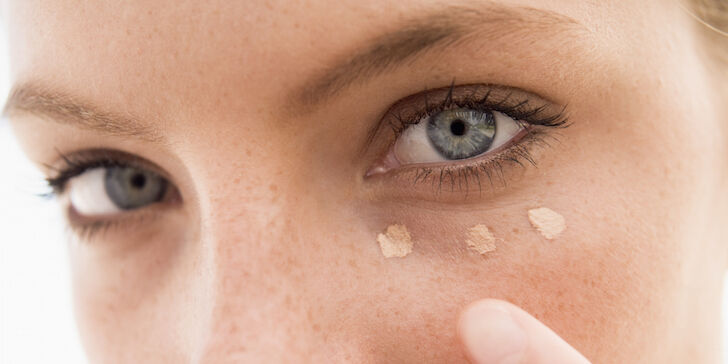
x=271 y=142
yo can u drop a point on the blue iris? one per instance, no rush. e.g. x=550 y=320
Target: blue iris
x=130 y=188
x=461 y=133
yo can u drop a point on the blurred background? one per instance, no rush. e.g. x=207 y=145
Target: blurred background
x=36 y=315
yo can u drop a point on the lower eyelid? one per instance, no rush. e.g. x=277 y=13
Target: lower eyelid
x=466 y=178
x=87 y=227
x=390 y=163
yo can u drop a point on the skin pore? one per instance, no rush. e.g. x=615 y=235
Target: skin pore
x=266 y=117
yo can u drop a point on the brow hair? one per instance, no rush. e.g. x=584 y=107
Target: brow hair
x=439 y=29
x=62 y=108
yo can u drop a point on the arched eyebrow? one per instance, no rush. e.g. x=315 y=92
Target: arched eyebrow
x=59 y=107
x=436 y=31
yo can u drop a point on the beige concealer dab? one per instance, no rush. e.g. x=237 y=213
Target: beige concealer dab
x=480 y=239
x=396 y=242
x=548 y=222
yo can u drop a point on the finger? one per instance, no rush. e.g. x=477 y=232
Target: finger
x=497 y=332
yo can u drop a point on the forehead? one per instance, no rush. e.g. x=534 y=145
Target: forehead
x=145 y=54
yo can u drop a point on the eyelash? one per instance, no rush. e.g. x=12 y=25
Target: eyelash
x=535 y=121
x=489 y=167
x=76 y=164
x=492 y=167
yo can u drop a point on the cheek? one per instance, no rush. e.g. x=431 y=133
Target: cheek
x=611 y=284
x=133 y=292
x=612 y=277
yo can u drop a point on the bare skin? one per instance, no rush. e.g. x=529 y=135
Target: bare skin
x=265 y=118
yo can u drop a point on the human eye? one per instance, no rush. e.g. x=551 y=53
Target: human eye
x=453 y=136
x=107 y=188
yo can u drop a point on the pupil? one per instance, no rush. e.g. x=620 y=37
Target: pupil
x=138 y=181
x=458 y=127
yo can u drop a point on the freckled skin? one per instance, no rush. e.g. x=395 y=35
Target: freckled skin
x=272 y=255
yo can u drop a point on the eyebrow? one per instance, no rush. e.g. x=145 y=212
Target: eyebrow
x=64 y=109
x=441 y=29
x=436 y=30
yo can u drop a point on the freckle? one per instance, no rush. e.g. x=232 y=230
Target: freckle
x=273 y=188
x=480 y=239
x=548 y=222
x=515 y=230
x=474 y=272
x=395 y=242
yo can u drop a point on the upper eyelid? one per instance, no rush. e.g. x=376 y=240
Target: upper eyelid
x=438 y=30
x=531 y=110
x=509 y=100
x=74 y=164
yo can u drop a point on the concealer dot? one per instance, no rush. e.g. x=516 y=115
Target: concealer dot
x=396 y=242
x=548 y=222
x=480 y=239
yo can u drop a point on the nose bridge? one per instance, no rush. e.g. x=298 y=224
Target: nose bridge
x=250 y=231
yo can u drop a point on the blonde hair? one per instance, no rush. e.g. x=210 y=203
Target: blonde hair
x=713 y=17
x=713 y=14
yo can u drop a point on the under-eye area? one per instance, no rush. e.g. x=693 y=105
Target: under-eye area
x=466 y=138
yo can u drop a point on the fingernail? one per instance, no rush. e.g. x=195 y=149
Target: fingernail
x=491 y=336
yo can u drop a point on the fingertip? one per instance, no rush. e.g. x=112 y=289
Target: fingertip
x=490 y=334
x=494 y=331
